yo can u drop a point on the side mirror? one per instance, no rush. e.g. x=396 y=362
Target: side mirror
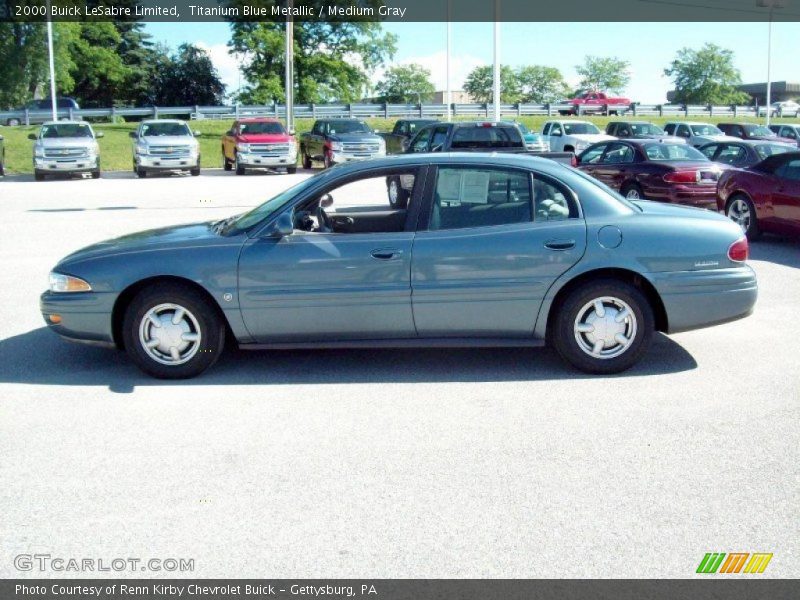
x=99 y=134
x=283 y=226
x=326 y=201
x=196 y=133
x=31 y=136
x=133 y=134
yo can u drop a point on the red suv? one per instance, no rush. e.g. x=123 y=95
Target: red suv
x=258 y=143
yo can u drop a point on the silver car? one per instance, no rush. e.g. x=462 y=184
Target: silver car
x=165 y=146
x=491 y=250
x=65 y=147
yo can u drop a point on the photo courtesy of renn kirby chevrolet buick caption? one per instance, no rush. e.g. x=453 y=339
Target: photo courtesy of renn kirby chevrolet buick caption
x=490 y=250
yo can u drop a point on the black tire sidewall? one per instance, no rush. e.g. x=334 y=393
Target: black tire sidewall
x=212 y=330
x=563 y=336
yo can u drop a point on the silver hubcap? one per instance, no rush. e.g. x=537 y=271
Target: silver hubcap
x=605 y=327
x=170 y=334
x=633 y=194
x=739 y=213
x=393 y=192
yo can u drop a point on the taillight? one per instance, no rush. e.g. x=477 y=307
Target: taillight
x=682 y=177
x=739 y=250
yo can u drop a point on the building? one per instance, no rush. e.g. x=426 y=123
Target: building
x=457 y=97
x=781 y=90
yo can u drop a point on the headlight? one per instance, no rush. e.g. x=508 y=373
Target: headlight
x=292 y=149
x=382 y=144
x=194 y=149
x=337 y=146
x=141 y=149
x=243 y=147
x=93 y=150
x=68 y=283
x=38 y=151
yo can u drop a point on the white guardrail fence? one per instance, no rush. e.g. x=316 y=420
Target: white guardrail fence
x=319 y=111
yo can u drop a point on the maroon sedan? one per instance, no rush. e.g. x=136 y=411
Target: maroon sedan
x=654 y=170
x=764 y=197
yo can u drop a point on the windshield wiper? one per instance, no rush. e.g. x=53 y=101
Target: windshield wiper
x=220 y=226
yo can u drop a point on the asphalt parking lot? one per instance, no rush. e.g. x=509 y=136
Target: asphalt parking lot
x=388 y=463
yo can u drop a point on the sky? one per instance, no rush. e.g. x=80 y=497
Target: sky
x=649 y=47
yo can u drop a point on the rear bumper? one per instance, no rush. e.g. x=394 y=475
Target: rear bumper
x=85 y=316
x=704 y=197
x=696 y=299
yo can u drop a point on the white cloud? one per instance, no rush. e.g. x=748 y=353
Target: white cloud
x=436 y=63
x=227 y=64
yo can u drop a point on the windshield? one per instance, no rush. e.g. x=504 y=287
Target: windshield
x=271 y=206
x=349 y=127
x=646 y=129
x=758 y=132
x=765 y=150
x=705 y=130
x=579 y=128
x=163 y=129
x=599 y=184
x=261 y=127
x=673 y=152
x=66 y=130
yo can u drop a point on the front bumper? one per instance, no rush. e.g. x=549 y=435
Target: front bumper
x=696 y=299
x=85 y=316
x=67 y=165
x=342 y=157
x=166 y=163
x=252 y=160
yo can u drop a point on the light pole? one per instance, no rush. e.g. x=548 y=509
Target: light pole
x=289 y=83
x=771 y=5
x=496 y=77
x=52 y=64
x=448 y=96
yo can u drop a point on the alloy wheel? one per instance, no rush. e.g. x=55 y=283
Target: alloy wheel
x=170 y=334
x=739 y=213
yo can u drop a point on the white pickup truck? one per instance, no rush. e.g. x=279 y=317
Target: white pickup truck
x=572 y=136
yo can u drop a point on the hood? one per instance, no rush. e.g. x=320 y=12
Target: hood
x=264 y=138
x=774 y=138
x=168 y=140
x=66 y=142
x=591 y=137
x=193 y=234
x=355 y=137
x=718 y=138
x=661 y=137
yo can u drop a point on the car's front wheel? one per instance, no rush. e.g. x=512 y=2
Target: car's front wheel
x=172 y=332
x=742 y=211
x=603 y=326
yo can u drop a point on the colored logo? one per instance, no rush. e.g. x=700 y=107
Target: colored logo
x=735 y=562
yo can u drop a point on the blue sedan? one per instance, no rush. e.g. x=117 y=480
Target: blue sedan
x=490 y=251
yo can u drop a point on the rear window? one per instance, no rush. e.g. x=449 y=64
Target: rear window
x=486 y=137
x=673 y=152
x=705 y=130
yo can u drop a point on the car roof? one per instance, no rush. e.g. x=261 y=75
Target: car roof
x=690 y=123
x=641 y=142
x=631 y=123
x=147 y=121
x=744 y=142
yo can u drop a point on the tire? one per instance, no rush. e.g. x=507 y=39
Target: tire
x=306 y=159
x=239 y=168
x=38 y=176
x=199 y=318
x=398 y=197
x=195 y=172
x=141 y=173
x=2 y=166
x=741 y=210
x=291 y=170
x=96 y=174
x=606 y=355
x=632 y=191
x=226 y=164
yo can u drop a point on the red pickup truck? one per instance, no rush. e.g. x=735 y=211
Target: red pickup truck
x=594 y=102
x=258 y=143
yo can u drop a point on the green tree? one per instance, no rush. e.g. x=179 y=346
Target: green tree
x=479 y=84
x=332 y=59
x=607 y=74
x=406 y=84
x=189 y=78
x=706 y=76
x=99 y=72
x=540 y=85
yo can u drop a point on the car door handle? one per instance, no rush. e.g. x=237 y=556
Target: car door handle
x=559 y=244
x=386 y=253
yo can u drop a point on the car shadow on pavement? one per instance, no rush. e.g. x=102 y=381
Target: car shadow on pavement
x=40 y=357
x=779 y=250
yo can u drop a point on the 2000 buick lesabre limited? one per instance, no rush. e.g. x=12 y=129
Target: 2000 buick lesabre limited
x=490 y=251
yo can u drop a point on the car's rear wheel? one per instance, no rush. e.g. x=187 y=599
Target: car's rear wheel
x=172 y=332
x=632 y=191
x=603 y=326
x=398 y=197
x=742 y=211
